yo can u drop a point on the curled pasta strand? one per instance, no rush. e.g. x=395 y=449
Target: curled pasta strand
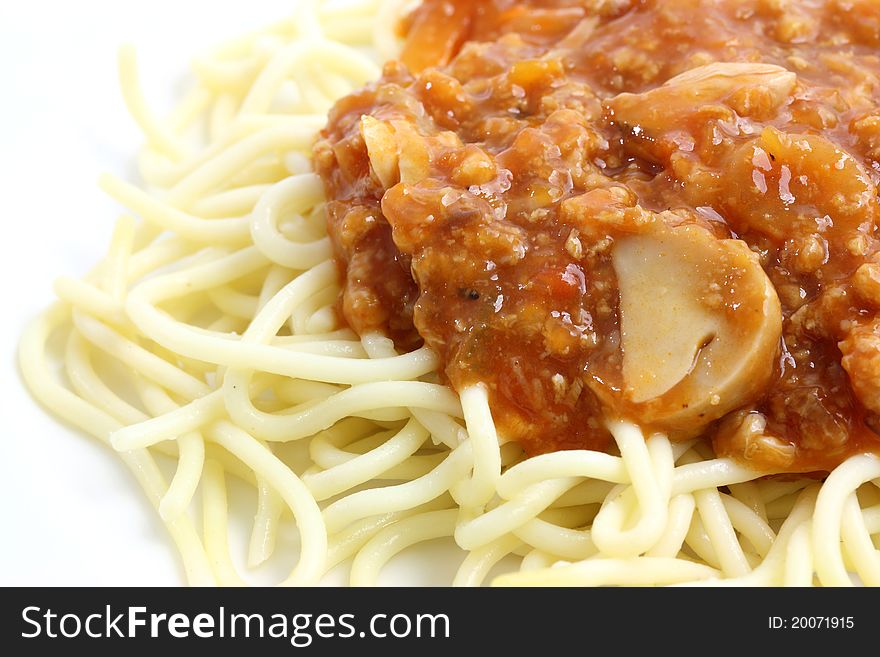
x=828 y=517
x=650 y=489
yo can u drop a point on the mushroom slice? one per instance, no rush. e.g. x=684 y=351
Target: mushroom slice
x=381 y=149
x=670 y=117
x=397 y=152
x=700 y=325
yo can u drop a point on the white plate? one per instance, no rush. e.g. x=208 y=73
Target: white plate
x=71 y=513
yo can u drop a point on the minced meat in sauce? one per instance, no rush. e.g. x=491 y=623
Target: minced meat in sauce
x=657 y=210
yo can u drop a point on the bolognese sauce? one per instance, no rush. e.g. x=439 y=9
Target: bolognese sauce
x=657 y=210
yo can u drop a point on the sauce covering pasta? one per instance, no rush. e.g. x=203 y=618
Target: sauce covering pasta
x=658 y=210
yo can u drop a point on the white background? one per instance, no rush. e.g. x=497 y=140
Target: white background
x=70 y=513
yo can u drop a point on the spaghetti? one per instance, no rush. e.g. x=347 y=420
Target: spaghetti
x=209 y=335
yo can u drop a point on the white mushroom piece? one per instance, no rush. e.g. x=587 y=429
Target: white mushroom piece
x=660 y=120
x=700 y=327
x=397 y=152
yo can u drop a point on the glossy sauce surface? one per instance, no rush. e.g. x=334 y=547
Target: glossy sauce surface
x=660 y=210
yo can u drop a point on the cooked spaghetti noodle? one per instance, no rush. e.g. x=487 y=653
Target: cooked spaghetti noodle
x=209 y=334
